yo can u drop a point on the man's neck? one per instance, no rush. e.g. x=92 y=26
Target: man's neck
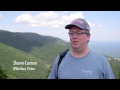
x=79 y=53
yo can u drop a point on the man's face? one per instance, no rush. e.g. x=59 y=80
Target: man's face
x=78 y=37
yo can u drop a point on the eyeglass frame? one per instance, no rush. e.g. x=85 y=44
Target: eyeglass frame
x=77 y=33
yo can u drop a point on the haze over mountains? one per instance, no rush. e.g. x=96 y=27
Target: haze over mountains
x=111 y=49
x=31 y=47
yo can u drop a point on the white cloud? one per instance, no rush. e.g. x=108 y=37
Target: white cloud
x=91 y=24
x=47 y=16
x=24 y=18
x=49 y=19
x=72 y=16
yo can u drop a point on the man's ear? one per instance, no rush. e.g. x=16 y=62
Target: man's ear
x=88 y=37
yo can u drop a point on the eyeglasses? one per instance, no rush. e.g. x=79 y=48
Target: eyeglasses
x=77 y=33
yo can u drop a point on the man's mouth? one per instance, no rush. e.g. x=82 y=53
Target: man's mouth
x=75 y=42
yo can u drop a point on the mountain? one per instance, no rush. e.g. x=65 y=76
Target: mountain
x=10 y=55
x=24 y=41
x=43 y=47
x=31 y=47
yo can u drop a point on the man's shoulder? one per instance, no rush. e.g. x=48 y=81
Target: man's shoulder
x=62 y=53
x=99 y=55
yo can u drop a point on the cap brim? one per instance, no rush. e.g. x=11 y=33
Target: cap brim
x=70 y=25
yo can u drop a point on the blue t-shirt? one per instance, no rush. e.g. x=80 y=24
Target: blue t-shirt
x=91 y=66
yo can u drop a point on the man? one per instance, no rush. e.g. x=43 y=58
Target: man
x=80 y=62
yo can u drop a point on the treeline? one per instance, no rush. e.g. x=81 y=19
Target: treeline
x=3 y=74
x=115 y=64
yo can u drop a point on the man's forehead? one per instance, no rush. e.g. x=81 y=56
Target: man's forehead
x=77 y=29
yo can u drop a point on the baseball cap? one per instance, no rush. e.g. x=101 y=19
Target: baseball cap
x=79 y=22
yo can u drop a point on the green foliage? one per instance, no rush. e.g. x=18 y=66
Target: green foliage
x=115 y=64
x=48 y=52
x=48 y=72
x=30 y=47
x=9 y=54
x=24 y=41
x=3 y=74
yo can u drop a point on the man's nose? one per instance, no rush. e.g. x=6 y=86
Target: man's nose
x=74 y=35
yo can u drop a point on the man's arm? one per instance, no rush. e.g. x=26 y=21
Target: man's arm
x=108 y=71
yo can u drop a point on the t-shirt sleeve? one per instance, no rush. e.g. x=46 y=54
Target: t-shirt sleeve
x=108 y=73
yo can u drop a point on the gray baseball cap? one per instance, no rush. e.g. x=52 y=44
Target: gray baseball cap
x=79 y=22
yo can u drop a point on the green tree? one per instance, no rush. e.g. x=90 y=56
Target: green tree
x=48 y=72
x=3 y=74
x=119 y=75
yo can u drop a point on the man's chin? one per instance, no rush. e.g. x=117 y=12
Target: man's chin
x=75 y=47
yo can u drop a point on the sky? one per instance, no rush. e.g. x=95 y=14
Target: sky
x=104 y=25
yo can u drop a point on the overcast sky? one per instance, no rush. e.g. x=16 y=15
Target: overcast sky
x=104 y=25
